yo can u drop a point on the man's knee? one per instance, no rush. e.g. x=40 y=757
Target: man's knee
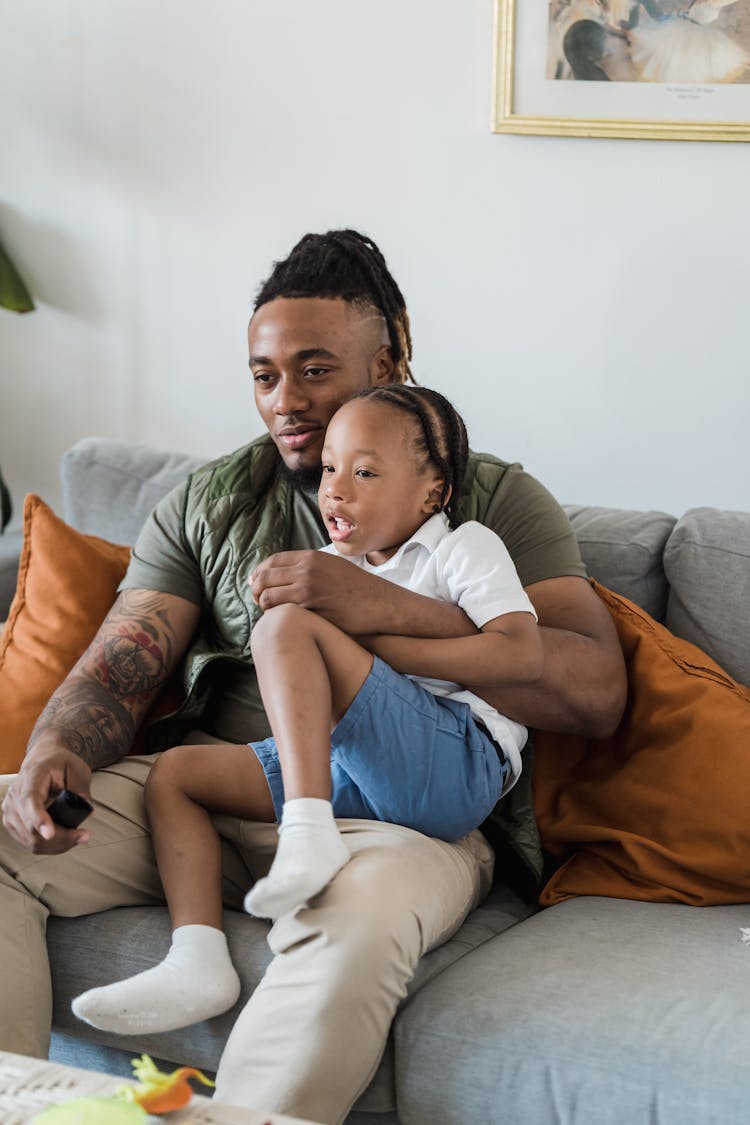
x=356 y=952
x=366 y=914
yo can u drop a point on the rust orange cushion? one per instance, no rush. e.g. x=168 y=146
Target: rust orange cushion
x=659 y=811
x=66 y=584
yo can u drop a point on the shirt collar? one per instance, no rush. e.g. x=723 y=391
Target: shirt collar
x=428 y=536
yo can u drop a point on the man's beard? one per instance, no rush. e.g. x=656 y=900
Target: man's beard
x=303 y=480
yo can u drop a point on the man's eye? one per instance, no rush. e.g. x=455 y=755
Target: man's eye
x=314 y=372
x=263 y=377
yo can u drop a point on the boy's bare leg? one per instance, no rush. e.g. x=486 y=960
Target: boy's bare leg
x=196 y=980
x=309 y=673
x=186 y=785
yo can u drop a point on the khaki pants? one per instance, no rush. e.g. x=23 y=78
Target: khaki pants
x=311 y=1037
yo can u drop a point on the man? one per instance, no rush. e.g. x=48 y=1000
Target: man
x=329 y=321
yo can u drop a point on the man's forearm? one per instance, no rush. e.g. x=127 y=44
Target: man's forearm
x=401 y=612
x=581 y=690
x=561 y=699
x=85 y=718
x=97 y=710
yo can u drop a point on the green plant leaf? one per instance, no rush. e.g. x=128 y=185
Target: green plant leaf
x=13 y=293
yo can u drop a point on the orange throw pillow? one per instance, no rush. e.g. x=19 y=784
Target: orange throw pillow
x=659 y=811
x=66 y=584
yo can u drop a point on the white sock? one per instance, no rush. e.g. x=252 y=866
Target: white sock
x=309 y=854
x=196 y=980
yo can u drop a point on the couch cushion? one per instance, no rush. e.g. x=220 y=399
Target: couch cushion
x=659 y=810
x=122 y=942
x=109 y=487
x=707 y=561
x=595 y=1012
x=623 y=550
x=66 y=584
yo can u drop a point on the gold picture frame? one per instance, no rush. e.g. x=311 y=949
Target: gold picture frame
x=527 y=100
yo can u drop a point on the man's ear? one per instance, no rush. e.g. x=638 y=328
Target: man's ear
x=382 y=367
x=434 y=501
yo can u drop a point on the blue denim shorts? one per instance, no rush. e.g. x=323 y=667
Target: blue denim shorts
x=407 y=756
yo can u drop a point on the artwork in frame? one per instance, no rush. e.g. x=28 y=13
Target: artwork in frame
x=658 y=69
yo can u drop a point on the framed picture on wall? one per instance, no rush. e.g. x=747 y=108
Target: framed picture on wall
x=660 y=69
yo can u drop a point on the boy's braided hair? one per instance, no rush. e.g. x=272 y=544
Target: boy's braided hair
x=347 y=265
x=441 y=437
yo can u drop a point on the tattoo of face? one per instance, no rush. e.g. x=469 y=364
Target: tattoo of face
x=93 y=724
x=130 y=665
x=96 y=710
x=133 y=658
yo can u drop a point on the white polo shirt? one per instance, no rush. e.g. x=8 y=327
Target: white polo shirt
x=469 y=567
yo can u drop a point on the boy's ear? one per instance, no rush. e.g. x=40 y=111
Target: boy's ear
x=434 y=501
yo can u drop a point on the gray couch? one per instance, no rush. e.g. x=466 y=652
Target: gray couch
x=593 y=1012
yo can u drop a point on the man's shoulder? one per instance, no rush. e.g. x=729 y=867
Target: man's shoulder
x=495 y=464
x=490 y=479
x=527 y=517
x=485 y=470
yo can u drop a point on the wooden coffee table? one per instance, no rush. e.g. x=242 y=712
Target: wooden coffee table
x=27 y=1086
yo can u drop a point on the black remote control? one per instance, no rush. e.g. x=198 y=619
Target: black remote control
x=68 y=809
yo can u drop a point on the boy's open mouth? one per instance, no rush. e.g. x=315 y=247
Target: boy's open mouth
x=339 y=528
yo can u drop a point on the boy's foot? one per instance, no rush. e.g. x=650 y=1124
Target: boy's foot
x=195 y=981
x=310 y=852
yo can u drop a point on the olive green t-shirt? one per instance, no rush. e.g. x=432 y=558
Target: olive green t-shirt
x=503 y=496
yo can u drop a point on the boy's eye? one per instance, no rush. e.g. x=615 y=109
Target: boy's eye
x=328 y=468
x=364 y=473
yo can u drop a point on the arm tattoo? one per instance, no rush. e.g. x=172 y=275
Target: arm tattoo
x=89 y=721
x=96 y=711
x=136 y=653
x=129 y=664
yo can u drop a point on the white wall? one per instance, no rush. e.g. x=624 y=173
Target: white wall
x=583 y=301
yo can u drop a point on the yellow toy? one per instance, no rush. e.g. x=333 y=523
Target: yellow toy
x=156 y=1092
x=159 y=1092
